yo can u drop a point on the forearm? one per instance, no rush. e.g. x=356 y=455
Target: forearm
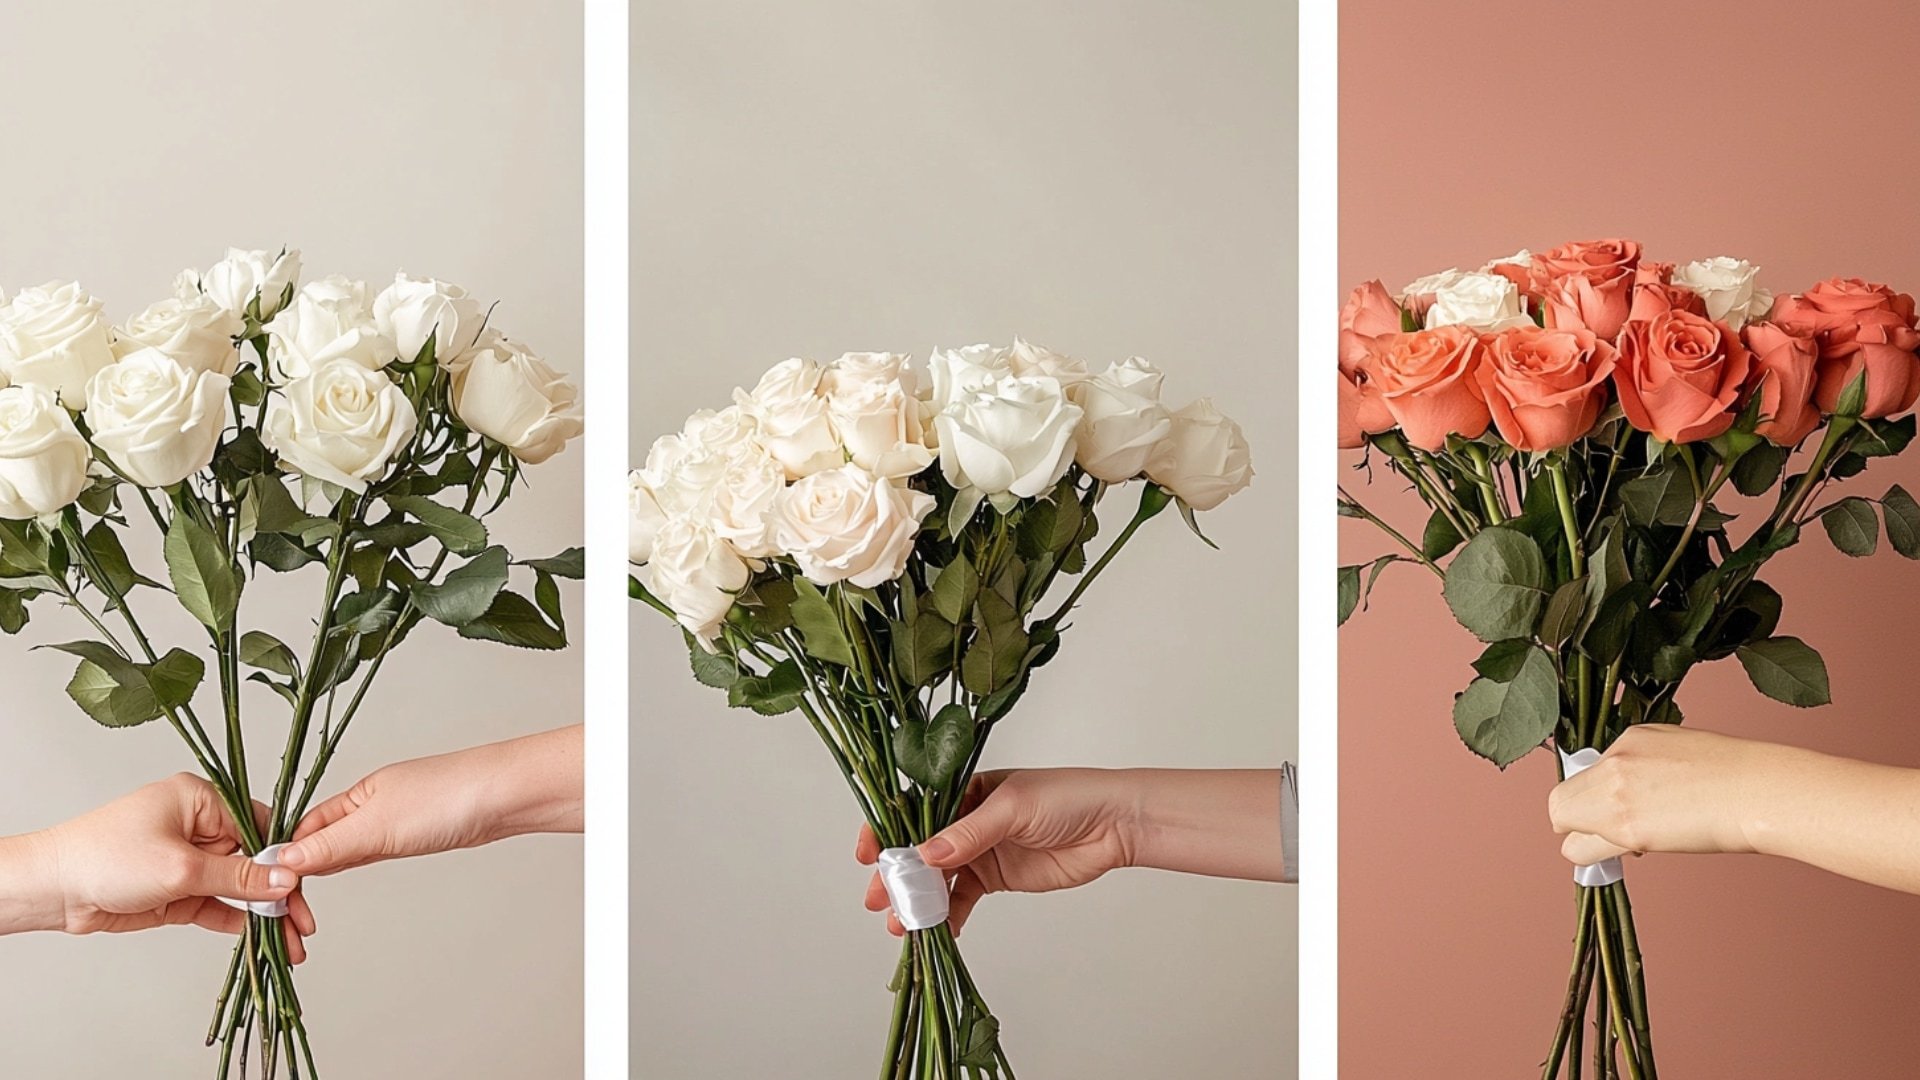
x=29 y=885
x=538 y=782
x=1217 y=822
x=1854 y=818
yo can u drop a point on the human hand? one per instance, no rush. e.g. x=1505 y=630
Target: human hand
x=1025 y=830
x=1666 y=788
x=444 y=803
x=156 y=857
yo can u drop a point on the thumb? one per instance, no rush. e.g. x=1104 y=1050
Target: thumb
x=342 y=845
x=972 y=836
x=237 y=877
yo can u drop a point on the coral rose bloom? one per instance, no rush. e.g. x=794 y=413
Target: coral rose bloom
x=1681 y=376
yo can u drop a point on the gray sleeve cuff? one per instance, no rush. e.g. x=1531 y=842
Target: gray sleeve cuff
x=1289 y=822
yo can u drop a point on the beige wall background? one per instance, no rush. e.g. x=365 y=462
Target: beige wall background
x=1106 y=179
x=438 y=136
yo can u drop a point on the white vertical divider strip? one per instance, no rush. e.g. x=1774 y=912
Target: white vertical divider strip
x=605 y=640
x=1318 y=462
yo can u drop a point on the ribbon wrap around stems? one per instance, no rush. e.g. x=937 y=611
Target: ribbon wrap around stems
x=1606 y=871
x=272 y=909
x=918 y=891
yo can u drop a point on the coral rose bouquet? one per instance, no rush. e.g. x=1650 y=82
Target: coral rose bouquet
x=881 y=551
x=354 y=438
x=1578 y=423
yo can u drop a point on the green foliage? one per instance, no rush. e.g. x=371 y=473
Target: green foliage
x=932 y=751
x=1501 y=721
x=1496 y=585
x=1786 y=669
x=203 y=577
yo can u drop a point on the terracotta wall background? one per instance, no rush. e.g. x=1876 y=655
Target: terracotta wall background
x=1778 y=132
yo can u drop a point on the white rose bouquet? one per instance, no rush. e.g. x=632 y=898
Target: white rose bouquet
x=405 y=421
x=880 y=554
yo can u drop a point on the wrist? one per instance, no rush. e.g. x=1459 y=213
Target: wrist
x=1774 y=791
x=31 y=898
x=537 y=784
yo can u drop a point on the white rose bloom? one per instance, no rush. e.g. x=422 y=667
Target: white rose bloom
x=54 y=336
x=1727 y=286
x=682 y=475
x=697 y=574
x=43 y=459
x=1122 y=421
x=957 y=372
x=328 y=320
x=1523 y=257
x=876 y=413
x=191 y=329
x=511 y=396
x=412 y=311
x=1010 y=440
x=741 y=504
x=155 y=419
x=342 y=424
x=1204 y=459
x=1487 y=302
x=727 y=432
x=1029 y=360
x=234 y=281
x=1430 y=284
x=644 y=518
x=847 y=524
x=794 y=425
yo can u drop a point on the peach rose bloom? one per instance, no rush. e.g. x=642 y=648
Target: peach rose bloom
x=1362 y=412
x=1579 y=303
x=1859 y=326
x=1545 y=388
x=1653 y=273
x=1588 y=284
x=1369 y=313
x=1784 y=363
x=1681 y=376
x=1652 y=298
x=1426 y=379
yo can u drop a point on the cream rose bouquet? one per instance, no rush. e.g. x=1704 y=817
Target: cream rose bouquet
x=263 y=425
x=1576 y=422
x=880 y=553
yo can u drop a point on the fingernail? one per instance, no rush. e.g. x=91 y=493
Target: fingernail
x=282 y=879
x=937 y=849
x=292 y=855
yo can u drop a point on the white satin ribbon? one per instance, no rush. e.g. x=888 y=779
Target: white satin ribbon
x=1607 y=871
x=272 y=909
x=918 y=891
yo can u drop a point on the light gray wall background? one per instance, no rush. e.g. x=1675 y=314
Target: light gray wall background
x=438 y=136
x=1106 y=179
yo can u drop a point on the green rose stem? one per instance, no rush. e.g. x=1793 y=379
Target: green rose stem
x=1359 y=510
x=1483 y=478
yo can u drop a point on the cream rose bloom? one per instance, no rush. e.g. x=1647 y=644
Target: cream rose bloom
x=1432 y=283
x=1727 y=287
x=1012 y=439
x=511 y=396
x=155 y=419
x=954 y=373
x=1479 y=301
x=190 y=328
x=697 y=574
x=1029 y=360
x=741 y=507
x=1122 y=421
x=878 y=416
x=43 y=459
x=725 y=432
x=412 y=311
x=328 y=320
x=847 y=524
x=1204 y=459
x=236 y=280
x=342 y=424
x=794 y=425
x=54 y=336
x=644 y=518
